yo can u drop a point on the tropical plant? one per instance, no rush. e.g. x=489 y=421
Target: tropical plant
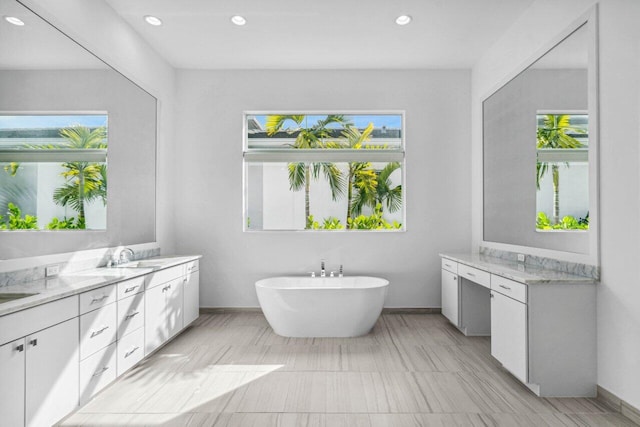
x=567 y=223
x=375 y=221
x=64 y=224
x=15 y=221
x=554 y=134
x=330 y=223
x=86 y=181
x=309 y=137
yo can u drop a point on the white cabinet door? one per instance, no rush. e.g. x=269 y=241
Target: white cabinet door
x=509 y=334
x=155 y=330
x=174 y=307
x=191 y=297
x=12 y=360
x=450 y=300
x=52 y=373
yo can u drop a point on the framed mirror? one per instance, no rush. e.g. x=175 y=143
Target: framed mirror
x=540 y=168
x=77 y=145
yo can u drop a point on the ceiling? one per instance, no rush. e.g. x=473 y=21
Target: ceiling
x=343 y=34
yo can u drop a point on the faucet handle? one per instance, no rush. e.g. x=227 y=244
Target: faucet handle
x=332 y=274
x=340 y=273
x=313 y=273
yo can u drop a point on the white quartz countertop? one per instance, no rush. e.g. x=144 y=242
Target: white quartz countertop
x=519 y=272
x=68 y=284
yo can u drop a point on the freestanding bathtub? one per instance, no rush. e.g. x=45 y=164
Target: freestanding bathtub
x=322 y=306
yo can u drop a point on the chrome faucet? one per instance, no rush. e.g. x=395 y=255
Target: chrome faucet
x=323 y=272
x=123 y=258
x=340 y=274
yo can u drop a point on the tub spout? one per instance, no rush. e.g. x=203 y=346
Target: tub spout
x=340 y=274
x=323 y=272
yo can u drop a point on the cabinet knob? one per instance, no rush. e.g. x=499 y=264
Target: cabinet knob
x=455 y=277
x=20 y=348
x=491 y=295
x=34 y=342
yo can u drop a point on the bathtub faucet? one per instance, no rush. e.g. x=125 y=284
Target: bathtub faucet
x=323 y=272
x=340 y=274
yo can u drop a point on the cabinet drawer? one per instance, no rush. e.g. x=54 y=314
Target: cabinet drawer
x=475 y=275
x=92 y=300
x=130 y=314
x=164 y=276
x=97 y=330
x=192 y=266
x=130 y=350
x=130 y=287
x=449 y=265
x=96 y=372
x=515 y=290
x=21 y=323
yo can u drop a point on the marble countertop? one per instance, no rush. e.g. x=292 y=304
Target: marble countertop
x=68 y=284
x=523 y=273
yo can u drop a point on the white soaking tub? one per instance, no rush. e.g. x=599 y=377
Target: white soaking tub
x=322 y=306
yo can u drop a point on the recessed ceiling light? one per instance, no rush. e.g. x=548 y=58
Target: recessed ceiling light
x=152 y=20
x=13 y=20
x=238 y=20
x=403 y=19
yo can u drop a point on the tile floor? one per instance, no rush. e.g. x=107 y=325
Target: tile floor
x=411 y=370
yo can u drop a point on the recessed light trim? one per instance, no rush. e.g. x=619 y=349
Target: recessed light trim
x=403 y=19
x=14 y=20
x=153 y=20
x=238 y=20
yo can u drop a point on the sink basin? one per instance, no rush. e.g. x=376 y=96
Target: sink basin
x=13 y=296
x=146 y=263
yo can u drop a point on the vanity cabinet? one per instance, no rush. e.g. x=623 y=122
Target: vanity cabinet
x=450 y=291
x=39 y=363
x=542 y=325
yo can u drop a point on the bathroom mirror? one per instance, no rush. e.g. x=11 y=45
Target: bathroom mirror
x=540 y=151
x=49 y=85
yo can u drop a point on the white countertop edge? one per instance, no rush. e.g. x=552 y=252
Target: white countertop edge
x=530 y=275
x=65 y=285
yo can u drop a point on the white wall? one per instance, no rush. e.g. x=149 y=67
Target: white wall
x=209 y=109
x=98 y=28
x=618 y=315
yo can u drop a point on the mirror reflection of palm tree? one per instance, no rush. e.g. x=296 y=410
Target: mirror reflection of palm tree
x=555 y=134
x=86 y=181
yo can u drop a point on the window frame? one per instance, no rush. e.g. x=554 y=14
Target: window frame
x=291 y=155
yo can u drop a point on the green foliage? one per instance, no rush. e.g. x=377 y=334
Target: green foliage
x=16 y=221
x=331 y=223
x=65 y=224
x=375 y=221
x=567 y=223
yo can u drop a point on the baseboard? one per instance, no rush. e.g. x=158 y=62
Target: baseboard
x=389 y=310
x=619 y=405
x=220 y=310
x=411 y=310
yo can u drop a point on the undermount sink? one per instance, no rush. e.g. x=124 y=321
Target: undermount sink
x=13 y=296
x=146 y=263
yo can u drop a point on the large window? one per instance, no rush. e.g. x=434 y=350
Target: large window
x=562 y=166
x=331 y=171
x=53 y=171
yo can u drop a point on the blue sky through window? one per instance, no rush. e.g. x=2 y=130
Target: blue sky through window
x=35 y=121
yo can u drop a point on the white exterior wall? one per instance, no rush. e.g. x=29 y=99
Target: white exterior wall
x=618 y=313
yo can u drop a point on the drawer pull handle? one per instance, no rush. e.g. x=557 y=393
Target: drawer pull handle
x=98 y=299
x=491 y=295
x=129 y=316
x=20 y=348
x=505 y=287
x=166 y=288
x=130 y=352
x=471 y=274
x=133 y=288
x=34 y=342
x=448 y=265
x=455 y=277
x=99 y=331
x=100 y=371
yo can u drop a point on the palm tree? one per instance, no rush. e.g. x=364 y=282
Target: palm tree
x=309 y=137
x=553 y=134
x=85 y=181
x=384 y=194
